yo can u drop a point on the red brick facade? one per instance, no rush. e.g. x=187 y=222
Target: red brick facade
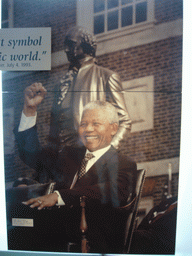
x=60 y=15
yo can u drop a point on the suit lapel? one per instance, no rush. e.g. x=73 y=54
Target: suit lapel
x=73 y=157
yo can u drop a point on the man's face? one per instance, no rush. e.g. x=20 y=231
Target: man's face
x=72 y=47
x=95 y=130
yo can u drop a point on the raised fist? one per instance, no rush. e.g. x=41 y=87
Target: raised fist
x=34 y=94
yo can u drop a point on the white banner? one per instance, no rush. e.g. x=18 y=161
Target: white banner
x=25 y=49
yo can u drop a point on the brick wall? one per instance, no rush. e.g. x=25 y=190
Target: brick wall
x=60 y=15
x=163 y=60
x=158 y=188
x=168 y=10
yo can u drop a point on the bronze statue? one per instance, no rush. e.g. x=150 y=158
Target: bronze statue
x=85 y=81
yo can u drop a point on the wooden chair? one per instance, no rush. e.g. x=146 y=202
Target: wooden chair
x=83 y=227
x=130 y=210
x=131 y=221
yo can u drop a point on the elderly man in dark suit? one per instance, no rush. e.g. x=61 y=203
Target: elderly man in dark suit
x=96 y=170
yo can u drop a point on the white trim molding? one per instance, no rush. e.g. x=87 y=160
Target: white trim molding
x=160 y=167
x=140 y=36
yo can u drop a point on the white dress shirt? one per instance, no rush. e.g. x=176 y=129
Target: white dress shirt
x=29 y=122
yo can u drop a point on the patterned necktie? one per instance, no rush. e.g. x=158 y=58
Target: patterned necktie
x=82 y=170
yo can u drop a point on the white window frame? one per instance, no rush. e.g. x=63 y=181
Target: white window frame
x=139 y=99
x=85 y=18
x=10 y=20
x=106 y=11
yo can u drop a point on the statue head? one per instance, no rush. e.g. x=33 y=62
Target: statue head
x=79 y=43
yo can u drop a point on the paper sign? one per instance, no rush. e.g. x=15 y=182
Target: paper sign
x=25 y=49
x=18 y=222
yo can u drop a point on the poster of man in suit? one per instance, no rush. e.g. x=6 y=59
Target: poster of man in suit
x=128 y=53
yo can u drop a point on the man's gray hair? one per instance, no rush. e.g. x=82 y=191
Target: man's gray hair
x=105 y=106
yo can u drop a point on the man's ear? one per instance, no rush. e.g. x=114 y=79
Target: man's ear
x=114 y=128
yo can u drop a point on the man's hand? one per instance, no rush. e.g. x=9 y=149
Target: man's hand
x=34 y=94
x=43 y=201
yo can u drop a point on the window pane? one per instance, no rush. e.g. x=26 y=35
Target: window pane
x=112 y=20
x=126 y=2
x=99 y=24
x=127 y=16
x=141 y=12
x=112 y=3
x=99 y=5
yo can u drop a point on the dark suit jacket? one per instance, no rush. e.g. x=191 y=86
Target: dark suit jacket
x=108 y=184
x=156 y=235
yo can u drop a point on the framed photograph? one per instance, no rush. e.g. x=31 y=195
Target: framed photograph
x=56 y=59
